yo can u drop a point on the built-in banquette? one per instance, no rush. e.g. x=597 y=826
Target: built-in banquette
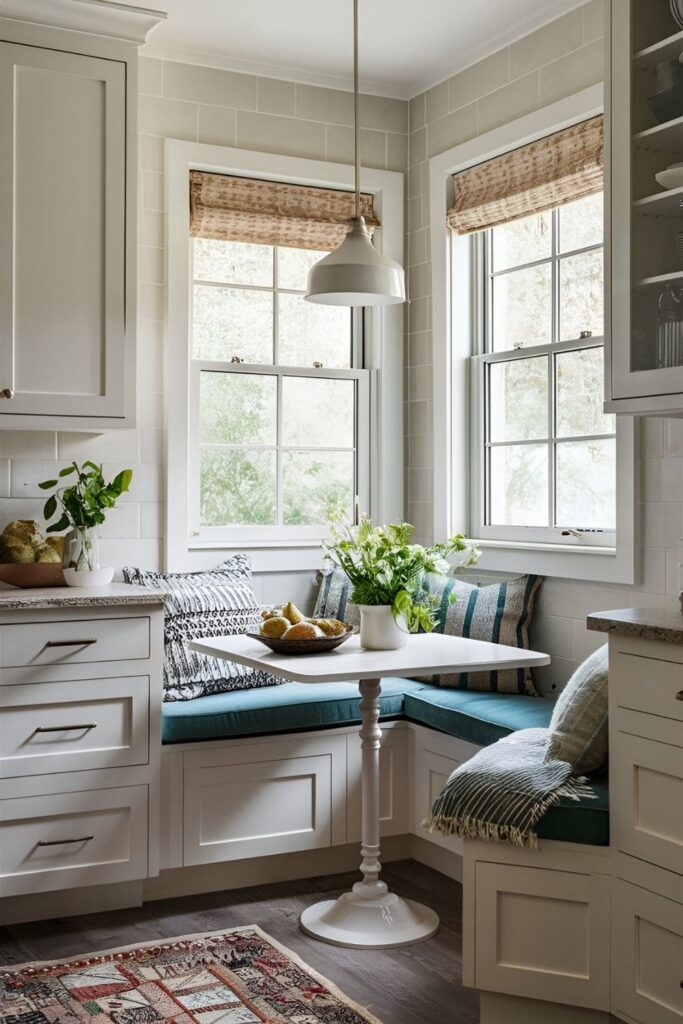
x=574 y=932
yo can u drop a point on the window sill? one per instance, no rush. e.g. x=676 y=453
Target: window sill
x=574 y=562
x=265 y=556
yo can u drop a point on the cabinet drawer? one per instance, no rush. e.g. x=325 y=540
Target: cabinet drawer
x=647 y=966
x=69 y=643
x=647 y=801
x=649 y=685
x=64 y=727
x=69 y=840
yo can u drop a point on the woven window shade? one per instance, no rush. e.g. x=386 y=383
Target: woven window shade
x=271 y=212
x=556 y=170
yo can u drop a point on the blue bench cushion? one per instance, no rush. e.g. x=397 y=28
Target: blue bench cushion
x=290 y=707
x=579 y=821
x=478 y=717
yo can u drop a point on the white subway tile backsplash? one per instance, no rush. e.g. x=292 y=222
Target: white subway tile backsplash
x=26 y=475
x=122 y=523
x=209 y=85
x=151 y=519
x=120 y=446
x=151 y=446
x=28 y=444
x=217 y=126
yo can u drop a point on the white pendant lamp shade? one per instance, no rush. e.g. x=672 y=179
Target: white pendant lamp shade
x=355 y=274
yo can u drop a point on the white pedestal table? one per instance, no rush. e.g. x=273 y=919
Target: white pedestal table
x=371 y=917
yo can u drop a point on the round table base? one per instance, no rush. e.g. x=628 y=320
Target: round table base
x=361 y=923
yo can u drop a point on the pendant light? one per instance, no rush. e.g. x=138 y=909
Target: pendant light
x=355 y=274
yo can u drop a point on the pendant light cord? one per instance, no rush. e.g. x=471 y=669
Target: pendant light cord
x=356 y=129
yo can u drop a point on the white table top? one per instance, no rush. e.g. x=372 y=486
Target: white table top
x=425 y=653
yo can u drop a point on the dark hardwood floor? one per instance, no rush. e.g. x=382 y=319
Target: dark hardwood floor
x=413 y=985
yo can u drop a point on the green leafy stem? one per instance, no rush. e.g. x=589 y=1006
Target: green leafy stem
x=83 y=503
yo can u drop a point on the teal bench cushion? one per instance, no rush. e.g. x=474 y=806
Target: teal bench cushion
x=479 y=717
x=580 y=821
x=291 y=707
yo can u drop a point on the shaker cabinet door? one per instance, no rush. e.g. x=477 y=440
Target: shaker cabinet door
x=62 y=234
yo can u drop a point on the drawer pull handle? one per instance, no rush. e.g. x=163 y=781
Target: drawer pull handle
x=66 y=728
x=70 y=643
x=65 y=842
x=679 y=696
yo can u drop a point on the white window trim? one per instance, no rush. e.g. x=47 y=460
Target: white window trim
x=383 y=351
x=452 y=349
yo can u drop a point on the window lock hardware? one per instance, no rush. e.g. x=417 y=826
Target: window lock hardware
x=237 y=359
x=6 y=393
x=518 y=345
x=317 y=365
x=573 y=533
x=586 y=334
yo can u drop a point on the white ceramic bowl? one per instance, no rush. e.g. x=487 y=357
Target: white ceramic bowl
x=672 y=177
x=89 y=577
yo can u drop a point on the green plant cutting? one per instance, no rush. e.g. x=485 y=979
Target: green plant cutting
x=384 y=568
x=83 y=501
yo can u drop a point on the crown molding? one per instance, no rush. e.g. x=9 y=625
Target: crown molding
x=94 y=17
x=405 y=90
x=224 y=62
x=494 y=43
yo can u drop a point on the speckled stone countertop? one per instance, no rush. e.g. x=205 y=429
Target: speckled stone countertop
x=78 y=597
x=663 y=622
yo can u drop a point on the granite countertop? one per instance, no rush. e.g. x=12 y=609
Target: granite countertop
x=78 y=597
x=662 y=622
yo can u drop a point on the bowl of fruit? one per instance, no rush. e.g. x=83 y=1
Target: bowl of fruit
x=286 y=630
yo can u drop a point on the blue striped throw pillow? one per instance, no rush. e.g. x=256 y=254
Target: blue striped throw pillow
x=198 y=604
x=499 y=613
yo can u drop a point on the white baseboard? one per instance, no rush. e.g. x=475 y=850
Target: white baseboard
x=497 y=1008
x=445 y=861
x=286 y=867
x=93 y=899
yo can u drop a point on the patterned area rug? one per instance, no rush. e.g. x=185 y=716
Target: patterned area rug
x=241 y=976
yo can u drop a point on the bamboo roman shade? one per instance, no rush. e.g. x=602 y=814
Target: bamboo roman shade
x=555 y=170
x=271 y=212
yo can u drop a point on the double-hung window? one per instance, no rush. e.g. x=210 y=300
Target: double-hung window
x=543 y=465
x=545 y=452
x=279 y=402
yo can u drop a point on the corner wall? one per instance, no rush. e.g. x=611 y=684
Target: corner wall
x=556 y=61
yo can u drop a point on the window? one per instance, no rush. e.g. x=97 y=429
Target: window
x=278 y=406
x=544 y=452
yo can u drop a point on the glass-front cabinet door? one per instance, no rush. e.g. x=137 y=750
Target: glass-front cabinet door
x=645 y=184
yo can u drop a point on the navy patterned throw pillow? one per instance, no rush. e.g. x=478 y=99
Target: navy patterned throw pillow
x=200 y=604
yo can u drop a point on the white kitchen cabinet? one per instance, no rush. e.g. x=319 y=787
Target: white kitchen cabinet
x=68 y=167
x=644 y=357
x=80 y=722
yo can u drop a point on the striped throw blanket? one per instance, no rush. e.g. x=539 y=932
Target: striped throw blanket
x=504 y=791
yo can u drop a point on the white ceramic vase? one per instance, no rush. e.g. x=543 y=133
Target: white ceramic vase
x=379 y=630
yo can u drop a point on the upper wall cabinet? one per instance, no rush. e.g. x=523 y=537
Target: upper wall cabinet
x=645 y=138
x=68 y=168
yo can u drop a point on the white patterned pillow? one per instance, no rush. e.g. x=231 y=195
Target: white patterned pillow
x=199 y=604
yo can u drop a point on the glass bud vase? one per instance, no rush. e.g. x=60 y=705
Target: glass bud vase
x=82 y=550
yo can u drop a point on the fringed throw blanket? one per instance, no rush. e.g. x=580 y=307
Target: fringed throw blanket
x=504 y=791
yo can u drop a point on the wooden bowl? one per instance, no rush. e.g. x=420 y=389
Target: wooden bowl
x=33 y=574
x=317 y=645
